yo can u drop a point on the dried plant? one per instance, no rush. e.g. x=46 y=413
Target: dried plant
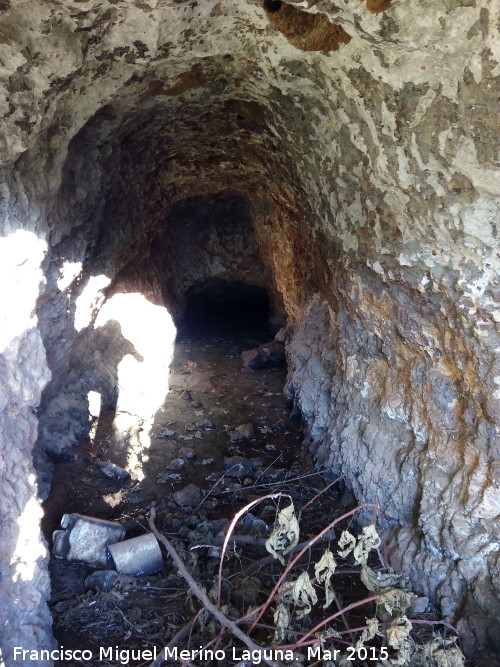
x=387 y=635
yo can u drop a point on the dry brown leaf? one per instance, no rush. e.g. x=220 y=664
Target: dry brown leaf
x=323 y=571
x=347 y=542
x=304 y=594
x=395 y=601
x=285 y=534
x=367 y=541
x=379 y=581
x=281 y=621
x=444 y=653
x=368 y=633
x=398 y=631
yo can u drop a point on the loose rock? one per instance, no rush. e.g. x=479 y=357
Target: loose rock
x=246 y=431
x=237 y=466
x=189 y=496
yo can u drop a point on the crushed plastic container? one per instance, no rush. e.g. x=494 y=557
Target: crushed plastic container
x=85 y=538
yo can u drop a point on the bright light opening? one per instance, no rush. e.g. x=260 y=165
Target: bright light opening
x=29 y=547
x=21 y=254
x=142 y=376
x=90 y=300
x=69 y=271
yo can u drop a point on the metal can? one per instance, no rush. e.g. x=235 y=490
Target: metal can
x=139 y=555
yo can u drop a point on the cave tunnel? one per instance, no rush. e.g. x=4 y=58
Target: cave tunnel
x=220 y=305
x=330 y=171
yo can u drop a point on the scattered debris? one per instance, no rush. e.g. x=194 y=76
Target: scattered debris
x=113 y=471
x=85 y=538
x=268 y=355
x=139 y=555
x=102 y=580
x=189 y=496
x=176 y=464
x=246 y=431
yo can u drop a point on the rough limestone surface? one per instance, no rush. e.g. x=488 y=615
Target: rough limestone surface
x=361 y=138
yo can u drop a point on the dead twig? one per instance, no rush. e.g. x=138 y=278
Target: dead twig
x=176 y=639
x=232 y=526
x=200 y=593
x=292 y=562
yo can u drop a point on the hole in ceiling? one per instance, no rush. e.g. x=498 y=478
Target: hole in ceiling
x=272 y=5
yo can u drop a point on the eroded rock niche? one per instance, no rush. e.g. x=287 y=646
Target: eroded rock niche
x=342 y=158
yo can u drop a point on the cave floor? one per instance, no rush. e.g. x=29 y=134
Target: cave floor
x=139 y=613
x=209 y=370
x=145 y=611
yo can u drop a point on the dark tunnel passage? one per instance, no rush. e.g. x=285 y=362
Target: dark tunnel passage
x=215 y=305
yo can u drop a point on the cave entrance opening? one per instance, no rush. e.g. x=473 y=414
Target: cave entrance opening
x=226 y=307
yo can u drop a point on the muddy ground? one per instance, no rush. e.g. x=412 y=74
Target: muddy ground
x=193 y=443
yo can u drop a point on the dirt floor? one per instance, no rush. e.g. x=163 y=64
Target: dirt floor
x=194 y=441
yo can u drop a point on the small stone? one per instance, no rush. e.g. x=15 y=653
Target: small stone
x=187 y=452
x=185 y=437
x=237 y=466
x=167 y=434
x=234 y=436
x=420 y=605
x=165 y=477
x=113 y=471
x=189 y=496
x=206 y=424
x=190 y=427
x=207 y=462
x=246 y=431
x=186 y=395
x=198 y=435
x=196 y=404
x=176 y=464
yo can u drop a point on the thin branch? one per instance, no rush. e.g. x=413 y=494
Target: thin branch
x=232 y=526
x=299 y=555
x=319 y=494
x=200 y=593
x=176 y=639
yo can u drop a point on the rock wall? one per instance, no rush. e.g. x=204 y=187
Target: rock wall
x=363 y=136
x=24 y=617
